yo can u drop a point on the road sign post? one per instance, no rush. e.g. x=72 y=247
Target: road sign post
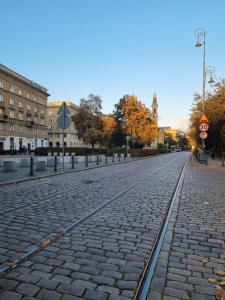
x=63 y=122
x=203 y=127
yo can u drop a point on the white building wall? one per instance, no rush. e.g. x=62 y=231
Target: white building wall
x=25 y=141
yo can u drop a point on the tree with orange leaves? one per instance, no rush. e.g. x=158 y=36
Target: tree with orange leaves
x=137 y=121
x=109 y=124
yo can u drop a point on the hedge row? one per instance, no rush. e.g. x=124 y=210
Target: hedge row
x=89 y=151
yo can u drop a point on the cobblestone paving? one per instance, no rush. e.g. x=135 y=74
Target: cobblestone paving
x=193 y=250
x=104 y=256
x=35 y=210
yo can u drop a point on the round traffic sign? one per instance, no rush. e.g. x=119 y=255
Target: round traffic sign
x=63 y=121
x=203 y=127
x=203 y=135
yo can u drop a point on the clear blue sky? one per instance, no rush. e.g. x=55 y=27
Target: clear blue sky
x=114 y=47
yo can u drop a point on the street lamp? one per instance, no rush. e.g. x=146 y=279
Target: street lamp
x=211 y=70
x=201 y=34
x=201 y=40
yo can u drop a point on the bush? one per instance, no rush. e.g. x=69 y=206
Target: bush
x=104 y=151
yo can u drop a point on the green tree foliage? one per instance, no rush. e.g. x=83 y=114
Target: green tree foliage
x=119 y=135
x=88 y=120
x=182 y=140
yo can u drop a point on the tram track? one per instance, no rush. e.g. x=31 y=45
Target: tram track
x=84 y=180
x=13 y=263
x=147 y=275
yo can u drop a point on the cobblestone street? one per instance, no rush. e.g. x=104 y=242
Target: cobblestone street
x=104 y=256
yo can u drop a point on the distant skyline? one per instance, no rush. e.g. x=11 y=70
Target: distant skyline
x=115 y=47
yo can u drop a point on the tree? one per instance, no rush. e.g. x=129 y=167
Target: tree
x=182 y=140
x=88 y=120
x=119 y=136
x=137 y=121
x=215 y=112
x=108 y=128
x=168 y=140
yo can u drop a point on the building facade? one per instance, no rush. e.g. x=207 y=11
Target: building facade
x=55 y=134
x=23 y=112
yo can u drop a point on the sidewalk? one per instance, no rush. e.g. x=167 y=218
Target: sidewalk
x=213 y=164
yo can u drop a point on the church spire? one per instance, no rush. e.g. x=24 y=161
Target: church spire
x=155 y=108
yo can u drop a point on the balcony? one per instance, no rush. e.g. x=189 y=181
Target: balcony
x=4 y=118
x=20 y=108
x=30 y=123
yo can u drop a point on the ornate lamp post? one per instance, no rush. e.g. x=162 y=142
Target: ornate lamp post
x=201 y=35
x=201 y=41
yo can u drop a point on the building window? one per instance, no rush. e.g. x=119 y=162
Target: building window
x=1 y=98
x=29 y=130
x=43 y=132
x=11 y=114
x=1 y=126
x=1 y=84
x=21 y=129
x=20 y=116
x=28 y=95
x=11 y=101
x=11 y=127
x=11 y=88
x=42 y=122
x=20 y=104
x=28 y=107
x=20 y=92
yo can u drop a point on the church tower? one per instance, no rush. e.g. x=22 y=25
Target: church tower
x=155 y=109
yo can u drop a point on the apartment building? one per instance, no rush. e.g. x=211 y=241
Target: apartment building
x=55 y=135
x=23 y=112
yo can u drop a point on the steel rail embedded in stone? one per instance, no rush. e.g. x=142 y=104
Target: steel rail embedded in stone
x=146 y=279
x=12 y=264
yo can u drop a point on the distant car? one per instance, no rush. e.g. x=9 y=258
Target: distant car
x=178 y=150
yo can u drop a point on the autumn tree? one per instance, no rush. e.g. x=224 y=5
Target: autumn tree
x=88 y=120
x=109 y=124
x=137 y=121
x=215 y=112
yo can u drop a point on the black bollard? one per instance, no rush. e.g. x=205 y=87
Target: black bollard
x=106 y=159
x=124 y=157
x=72 y=161
x=113 y=158
x=97 y=159
x=55 y=163
x=31 y=166
x=119 y=156
x=86 y=161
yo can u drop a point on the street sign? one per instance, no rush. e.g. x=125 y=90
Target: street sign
x=203 y=135
x=64 y=110
x=203 y=127
x=63 y=122
x=203 y=119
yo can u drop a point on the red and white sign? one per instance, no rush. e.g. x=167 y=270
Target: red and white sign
x=203 y=135
x=203 y=119
x=203 y=127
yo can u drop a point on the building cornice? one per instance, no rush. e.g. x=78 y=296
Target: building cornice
x=23 y=79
